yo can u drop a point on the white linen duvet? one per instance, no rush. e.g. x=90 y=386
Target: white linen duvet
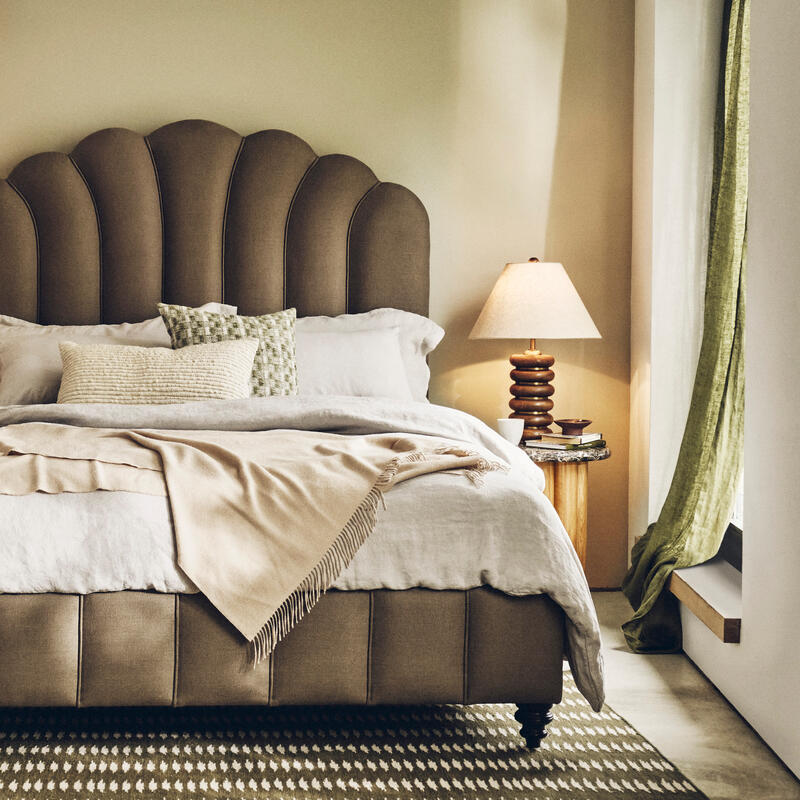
x=438 y=531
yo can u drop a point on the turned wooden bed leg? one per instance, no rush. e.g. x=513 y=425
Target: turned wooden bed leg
x=534 y=718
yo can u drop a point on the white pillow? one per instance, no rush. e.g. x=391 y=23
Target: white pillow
x=148 y=330
x=418 y=337
x=30 y=363
x=358 y=363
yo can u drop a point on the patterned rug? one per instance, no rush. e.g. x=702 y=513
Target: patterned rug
x=343 y=753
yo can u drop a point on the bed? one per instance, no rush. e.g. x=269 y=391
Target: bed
x=193 y=213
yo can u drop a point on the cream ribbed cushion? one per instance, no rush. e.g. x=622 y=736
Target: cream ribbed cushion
x=105 y=373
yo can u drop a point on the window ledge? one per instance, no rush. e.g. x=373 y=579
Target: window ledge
x=713 y=593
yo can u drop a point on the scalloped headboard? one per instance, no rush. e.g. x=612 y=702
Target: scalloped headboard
x=195 y=212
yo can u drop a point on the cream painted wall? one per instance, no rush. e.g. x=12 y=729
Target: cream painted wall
x=511 y=120
x=759 y=675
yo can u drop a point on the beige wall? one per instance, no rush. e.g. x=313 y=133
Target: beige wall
x=511 y=120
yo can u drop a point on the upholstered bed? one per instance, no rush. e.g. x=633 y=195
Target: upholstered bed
x=195 y=213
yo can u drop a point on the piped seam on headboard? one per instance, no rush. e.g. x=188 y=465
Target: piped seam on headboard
x=347 y=245
x=286 y=223
x=99 y=235
x=150 y=233
x=161 y=215
x=225 y=217
x=38 y=248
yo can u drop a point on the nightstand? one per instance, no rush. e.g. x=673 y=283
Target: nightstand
x=566 y=485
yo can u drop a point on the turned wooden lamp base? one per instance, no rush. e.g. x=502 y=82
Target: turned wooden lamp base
x=532 y=390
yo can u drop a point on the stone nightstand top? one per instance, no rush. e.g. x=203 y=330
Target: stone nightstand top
x=566 y=456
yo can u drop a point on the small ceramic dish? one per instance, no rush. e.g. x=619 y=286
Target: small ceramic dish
x=572 y=427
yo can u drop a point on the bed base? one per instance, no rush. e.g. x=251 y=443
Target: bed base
x=381 y=647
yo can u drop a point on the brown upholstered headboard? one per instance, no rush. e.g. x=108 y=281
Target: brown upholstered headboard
x=195 y=212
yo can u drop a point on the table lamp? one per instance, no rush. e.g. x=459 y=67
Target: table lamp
x=534 y=299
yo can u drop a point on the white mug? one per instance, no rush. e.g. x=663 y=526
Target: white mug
x=511 y=429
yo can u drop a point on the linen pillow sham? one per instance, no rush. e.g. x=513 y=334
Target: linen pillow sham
x=125 y=375
x=274 y=369
x=30 y=363
x=360 y=363
x=148 y=330
x=418 y=337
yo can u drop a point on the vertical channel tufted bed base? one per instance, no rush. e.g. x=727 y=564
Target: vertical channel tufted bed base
x=376 y=648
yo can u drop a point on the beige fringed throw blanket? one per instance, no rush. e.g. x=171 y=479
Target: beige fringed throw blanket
x=264 y=521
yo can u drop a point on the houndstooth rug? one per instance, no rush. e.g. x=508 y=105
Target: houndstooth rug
x=344 y=753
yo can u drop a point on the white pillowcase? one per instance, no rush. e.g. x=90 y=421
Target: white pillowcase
x=150 y=330
x=357 y=363
x=30 y=363
x=418 y=336
x=380 y=353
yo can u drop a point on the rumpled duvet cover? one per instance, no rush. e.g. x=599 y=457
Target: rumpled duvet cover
x=437 y=530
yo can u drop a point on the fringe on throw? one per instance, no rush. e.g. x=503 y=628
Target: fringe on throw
x=347 y=544
x=482 y=465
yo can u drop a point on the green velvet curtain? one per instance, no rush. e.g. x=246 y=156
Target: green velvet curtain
x=694 y=517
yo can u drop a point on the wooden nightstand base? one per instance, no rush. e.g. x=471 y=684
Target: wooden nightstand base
x=567 y=487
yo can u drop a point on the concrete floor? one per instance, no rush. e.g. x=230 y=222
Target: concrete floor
x=670 y=702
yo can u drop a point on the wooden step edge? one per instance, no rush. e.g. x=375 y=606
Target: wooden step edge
x=726 y=628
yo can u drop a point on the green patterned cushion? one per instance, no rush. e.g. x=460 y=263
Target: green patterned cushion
x=274 y=369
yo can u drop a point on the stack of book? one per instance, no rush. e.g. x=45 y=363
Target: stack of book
x=561 y=441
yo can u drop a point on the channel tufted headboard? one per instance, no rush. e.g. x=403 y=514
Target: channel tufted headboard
x=195 y=212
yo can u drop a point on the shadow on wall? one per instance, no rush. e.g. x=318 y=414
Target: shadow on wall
x=589 y=231
x=585 y=223
x=500 y=161
x=589 y=220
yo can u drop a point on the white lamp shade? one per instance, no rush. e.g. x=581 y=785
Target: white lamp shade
x=534 y=300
